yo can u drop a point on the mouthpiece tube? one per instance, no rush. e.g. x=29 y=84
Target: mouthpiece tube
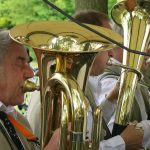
x=30 y=86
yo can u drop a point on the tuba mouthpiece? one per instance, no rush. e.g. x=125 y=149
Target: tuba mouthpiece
x=30 y=86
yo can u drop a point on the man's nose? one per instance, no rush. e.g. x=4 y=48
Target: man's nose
x=111 y=53
x=28 y=72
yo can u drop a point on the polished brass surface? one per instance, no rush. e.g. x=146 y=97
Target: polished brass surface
x=41 y=34
x=136 y=26
x=30 y=86
x=127 y=68
x=140 y=75
x=65 y=52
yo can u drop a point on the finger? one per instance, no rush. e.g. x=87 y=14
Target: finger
x=134 y=123
x=69 y=127
x=68 y=138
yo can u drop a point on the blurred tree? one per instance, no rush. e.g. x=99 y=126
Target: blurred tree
x=100 y=5
x=13 y=12
x=4 y=22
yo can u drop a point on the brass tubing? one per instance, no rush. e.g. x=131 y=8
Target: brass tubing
x=136 y=27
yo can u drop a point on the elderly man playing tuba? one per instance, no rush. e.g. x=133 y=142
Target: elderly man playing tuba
x=14 y=70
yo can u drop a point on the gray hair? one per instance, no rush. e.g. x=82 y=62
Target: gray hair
x=5 y=41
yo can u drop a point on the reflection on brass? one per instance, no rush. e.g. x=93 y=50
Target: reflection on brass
x=127 y=68
x=44 y=34
x=65 y=52
x=136 y=26
x=30 y=86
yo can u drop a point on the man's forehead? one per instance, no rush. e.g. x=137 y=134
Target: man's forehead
x=17 y=49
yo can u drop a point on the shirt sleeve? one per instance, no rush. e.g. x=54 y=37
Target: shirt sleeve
x=103 y=88
x=108 y=109
x=114 y=143
x=145 y=124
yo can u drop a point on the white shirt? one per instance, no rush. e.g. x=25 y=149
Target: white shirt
x=115 y=143
x=8 y=110
x=99 y=90
x=33 y=113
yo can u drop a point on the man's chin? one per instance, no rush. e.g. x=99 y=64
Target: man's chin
x=19 y=101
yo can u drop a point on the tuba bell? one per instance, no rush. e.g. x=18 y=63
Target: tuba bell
x=65 y=52
x=135 y=21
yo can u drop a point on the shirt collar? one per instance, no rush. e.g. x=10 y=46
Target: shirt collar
x=8 y=110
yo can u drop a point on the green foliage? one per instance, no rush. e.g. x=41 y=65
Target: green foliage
x=110 y=5
x=14 y=12
x=3 y=22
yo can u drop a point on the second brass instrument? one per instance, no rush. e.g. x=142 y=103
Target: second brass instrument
x=135 y=22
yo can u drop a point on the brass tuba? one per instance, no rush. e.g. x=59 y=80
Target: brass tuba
x=65 y=52
x=135 y=21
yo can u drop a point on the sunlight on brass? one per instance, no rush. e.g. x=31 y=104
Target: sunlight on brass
x=40 y=34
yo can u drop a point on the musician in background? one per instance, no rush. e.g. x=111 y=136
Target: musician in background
x=131 y=138
x=105 y=93
x=14 y=70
